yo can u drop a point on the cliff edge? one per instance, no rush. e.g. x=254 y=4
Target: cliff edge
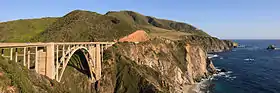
x=157 y=65
x=169 y=55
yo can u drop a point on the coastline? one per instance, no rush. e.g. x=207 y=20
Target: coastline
x=200 y=87
x=189 y=88
x=204 y=86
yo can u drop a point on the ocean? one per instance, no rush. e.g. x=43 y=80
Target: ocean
x=251 y=69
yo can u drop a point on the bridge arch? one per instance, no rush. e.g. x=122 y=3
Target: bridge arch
x=51 y=58
x=68 y=55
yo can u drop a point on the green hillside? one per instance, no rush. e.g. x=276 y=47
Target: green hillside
x=23 y=30
x=80 y=25
x=149 y=21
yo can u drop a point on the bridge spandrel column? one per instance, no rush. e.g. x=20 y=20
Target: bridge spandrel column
x=98 y=62
x=11 y=53
x=41 y=62
x=50 y=67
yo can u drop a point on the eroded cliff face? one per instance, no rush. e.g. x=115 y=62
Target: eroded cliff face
x=154 y=66
x=158 y=65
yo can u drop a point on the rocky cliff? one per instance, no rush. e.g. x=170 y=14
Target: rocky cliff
x=210 y=44
x=158 y=65
x=174 y=57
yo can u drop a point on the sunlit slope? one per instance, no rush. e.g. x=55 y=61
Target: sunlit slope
x=23 y=30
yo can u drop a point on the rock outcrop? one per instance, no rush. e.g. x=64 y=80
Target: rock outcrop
x=158 y=65
x=137 y=36
x=210 y=44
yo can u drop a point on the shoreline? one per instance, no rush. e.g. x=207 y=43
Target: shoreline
x=200 y=87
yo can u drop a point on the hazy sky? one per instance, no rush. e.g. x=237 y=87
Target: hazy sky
x=227 y=19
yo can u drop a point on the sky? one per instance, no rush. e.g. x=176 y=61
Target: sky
x=225 y=19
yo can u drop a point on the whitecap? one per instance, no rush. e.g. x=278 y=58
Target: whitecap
x=232 y=77
x=249 y=59
x=218 y=69
x=227 y=75
x=229 y=72
x=202 y=86
x=212 y=55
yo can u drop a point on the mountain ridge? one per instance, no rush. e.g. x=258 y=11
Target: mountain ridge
x=113 y=25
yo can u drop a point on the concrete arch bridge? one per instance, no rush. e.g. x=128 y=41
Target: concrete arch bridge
x=51 y=59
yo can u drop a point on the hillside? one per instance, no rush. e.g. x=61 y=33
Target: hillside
x=15 y=78
x=80 y=25
x=23 y=30
x=172 y=59
x=154 y=24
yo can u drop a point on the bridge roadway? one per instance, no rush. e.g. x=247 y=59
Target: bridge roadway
x=51 y=58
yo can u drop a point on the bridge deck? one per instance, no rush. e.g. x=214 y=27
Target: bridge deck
x=7 y=45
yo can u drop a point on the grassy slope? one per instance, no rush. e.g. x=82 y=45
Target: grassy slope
x=23 y=80
x=23 y=30
x=86 y=26
x=81 y=25
x=90 y=26
x=155 y=25
x=28 y=81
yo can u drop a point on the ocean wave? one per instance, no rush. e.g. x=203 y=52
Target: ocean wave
x=205 y=84
x=249 y=59
x=202 y=86
x=212 y=55
x=227 y=75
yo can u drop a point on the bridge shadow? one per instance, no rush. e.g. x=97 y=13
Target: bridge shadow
x=79 y=62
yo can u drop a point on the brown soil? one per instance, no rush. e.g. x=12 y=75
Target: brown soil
x=137 y=36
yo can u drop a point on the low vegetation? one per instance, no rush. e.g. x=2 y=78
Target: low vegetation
x=23 y=30
x=82 y=25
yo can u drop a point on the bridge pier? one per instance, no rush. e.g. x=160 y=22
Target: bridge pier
x=98 y=62
x=50 y=61
x=11 y=53
x=16 y=54
x=24 y=56
x=40 y=67
x=28 y=58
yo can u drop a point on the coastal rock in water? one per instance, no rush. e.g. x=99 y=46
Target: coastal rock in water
x=223 y=70
x=271 y=47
